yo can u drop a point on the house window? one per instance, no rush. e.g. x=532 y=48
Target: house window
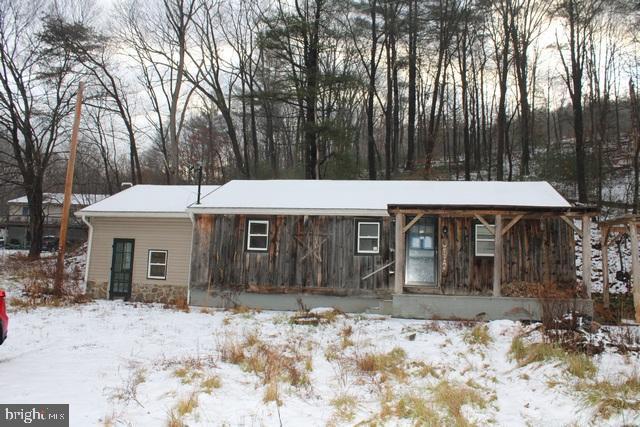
x=368 y=237
x=485 y=240
x=25 y=211
x=258 y=235
x=157 y=268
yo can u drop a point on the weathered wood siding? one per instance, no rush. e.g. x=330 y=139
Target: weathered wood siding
x=317 y=254
x=535 y=251
x=306 y=254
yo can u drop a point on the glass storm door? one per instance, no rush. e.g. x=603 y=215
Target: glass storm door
x=121 y=268
x=421 y=253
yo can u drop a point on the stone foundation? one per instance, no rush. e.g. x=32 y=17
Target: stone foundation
x=97 y=290
x=142 y=292
x=166 y=294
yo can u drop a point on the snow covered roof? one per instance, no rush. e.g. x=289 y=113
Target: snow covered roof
x=148 y=200
x=57 y=199
x=373 y=197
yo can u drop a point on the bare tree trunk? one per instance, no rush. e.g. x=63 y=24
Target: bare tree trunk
x=411 y=126
x=371 y=93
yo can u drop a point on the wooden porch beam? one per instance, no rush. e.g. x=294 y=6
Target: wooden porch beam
x=604 y=244
x=635 y=269
x=400 y=254
x=511 y=223
x=586 y=254
x=413 y=221
x=572 y=225
x=497 y=257
x=486 y=224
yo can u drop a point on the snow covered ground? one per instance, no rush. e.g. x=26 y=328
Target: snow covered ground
x=117 y=363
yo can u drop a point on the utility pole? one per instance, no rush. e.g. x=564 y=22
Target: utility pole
x=68 y=187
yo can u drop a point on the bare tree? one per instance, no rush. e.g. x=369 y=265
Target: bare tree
x=577 y=17
x=528 y=18
x=37 y=84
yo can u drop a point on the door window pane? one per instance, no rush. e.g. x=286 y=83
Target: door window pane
x=421 y=253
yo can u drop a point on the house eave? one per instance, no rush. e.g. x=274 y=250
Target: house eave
x=289 y=211
x=106 y=214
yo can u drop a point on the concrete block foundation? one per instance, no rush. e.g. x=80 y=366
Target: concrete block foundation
x=413 y=306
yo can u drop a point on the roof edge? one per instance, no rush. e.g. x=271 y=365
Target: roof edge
x=125 y=214
x=288 y=211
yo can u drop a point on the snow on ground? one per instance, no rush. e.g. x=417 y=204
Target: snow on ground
x=619 y=252
x=137 y=364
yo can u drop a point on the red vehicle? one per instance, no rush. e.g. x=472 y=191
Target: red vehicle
x=4 y=319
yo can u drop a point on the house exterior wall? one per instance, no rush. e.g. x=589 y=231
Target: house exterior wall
x=170 y=234
x=316 y=254
x=312 y=254
x=17 y=224
x=534 y=251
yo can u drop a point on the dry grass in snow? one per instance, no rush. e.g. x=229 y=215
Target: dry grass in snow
x=137 y=364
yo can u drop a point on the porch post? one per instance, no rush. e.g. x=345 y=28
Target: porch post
x=635 y=268
x=400 y=250
x=586 y=253
x=605 y=265
x=497 y=257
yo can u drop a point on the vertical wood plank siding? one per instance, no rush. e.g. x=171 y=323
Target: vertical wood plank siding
x=318 y=254
x=532 y=249
x=306 y=253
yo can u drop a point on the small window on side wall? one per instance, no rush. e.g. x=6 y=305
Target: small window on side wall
x=485 y=240
x=368 y=237
x=258 y=235
x=157 y=265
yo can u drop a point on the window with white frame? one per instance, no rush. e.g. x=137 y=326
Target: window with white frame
x=368 y=237
x=157 y=265
x=258 y=235
x=485 y=240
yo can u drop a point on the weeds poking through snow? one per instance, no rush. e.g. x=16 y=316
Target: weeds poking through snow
x=525 y=354
x=183 y=408
x=187 y=405
x=417 y=409
x=422 y=369
x=610 y=398
x=187 y=374
x=231 y=351
x=272 y=393
x=129 y=391
x=453 y=397
x=345 y=407
x=315 y=317
x=580 y=365
x=210 y=383
x=174 y=420
x=383 y=364
x=479 y=335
